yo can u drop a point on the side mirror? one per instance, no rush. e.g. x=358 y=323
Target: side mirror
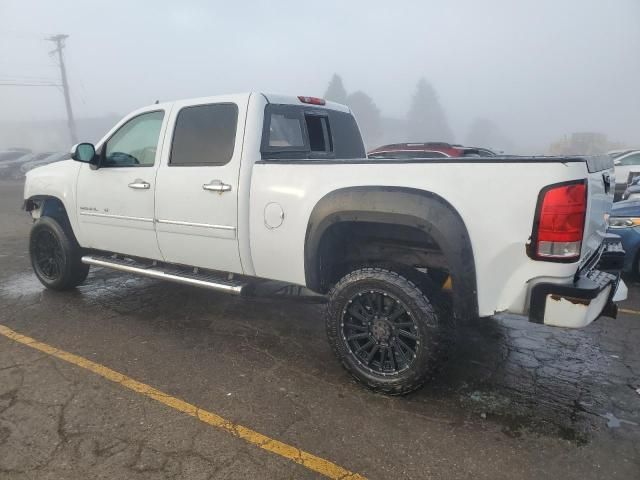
x=83 y=152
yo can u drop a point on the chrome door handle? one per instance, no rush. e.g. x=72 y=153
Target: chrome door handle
x=216 y=186
x=140 y=184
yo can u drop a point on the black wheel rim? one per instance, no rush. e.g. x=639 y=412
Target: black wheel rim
x=380 y=332
x=48 y=256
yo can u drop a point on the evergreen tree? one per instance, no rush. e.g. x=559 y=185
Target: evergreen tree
x=426 y=118
x=336 y=91
x=368 y=117
x=485 y=133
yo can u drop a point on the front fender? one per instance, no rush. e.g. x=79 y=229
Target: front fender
x=57 y=180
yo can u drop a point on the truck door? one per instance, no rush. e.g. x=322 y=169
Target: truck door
x=197 y=184
x=116 y=201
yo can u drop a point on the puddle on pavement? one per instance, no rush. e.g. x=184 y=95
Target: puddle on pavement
x=20 y=285
x=615 y=422
x=534 y=380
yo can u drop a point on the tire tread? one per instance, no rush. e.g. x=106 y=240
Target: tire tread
x=415 y=379
x=75 y=271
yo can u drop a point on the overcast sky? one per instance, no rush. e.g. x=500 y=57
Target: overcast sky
x=538 y=68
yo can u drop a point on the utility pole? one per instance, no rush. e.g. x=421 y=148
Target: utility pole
x=59 y=41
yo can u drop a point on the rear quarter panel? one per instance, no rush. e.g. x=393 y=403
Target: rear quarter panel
x=496 y=201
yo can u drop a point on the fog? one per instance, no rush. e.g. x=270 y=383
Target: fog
x=537 y=70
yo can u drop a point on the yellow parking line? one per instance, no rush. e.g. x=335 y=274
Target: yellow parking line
x=626 y=310
x=308 y=460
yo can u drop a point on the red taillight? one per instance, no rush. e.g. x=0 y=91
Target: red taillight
x=312 y=100
x=559 y=225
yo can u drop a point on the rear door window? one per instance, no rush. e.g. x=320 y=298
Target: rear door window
x=204 y=135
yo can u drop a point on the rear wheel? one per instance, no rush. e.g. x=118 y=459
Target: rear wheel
x=384 y=330
x=56 y=256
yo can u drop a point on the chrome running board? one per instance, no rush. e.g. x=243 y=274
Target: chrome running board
x=171 y=273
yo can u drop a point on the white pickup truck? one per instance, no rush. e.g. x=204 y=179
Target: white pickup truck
x=221 y=192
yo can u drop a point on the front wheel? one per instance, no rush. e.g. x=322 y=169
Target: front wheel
x=384 y=330
x=56 y=256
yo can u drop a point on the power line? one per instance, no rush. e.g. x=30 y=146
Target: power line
x=25 y=78
x=16 y=84
x=22 y=34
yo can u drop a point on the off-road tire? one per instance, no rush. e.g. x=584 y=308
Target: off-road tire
x=427 y=325
x=70 y=271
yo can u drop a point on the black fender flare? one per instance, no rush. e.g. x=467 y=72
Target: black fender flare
x=51 y=206
x=401 y=206
x=49 y=203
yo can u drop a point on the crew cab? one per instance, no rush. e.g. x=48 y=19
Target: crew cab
x=224 y=191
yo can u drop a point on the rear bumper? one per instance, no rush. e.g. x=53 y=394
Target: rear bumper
x=591 y=295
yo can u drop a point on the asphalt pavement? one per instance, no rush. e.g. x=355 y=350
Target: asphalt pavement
x=123 y=360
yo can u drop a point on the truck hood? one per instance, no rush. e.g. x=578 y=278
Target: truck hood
x=56 y=179
x=50 y=168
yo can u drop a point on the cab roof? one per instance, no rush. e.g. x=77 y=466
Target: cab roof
x=270 y=97
x=296 y=100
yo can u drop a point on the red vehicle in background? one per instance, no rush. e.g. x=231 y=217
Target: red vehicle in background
x=428 y=150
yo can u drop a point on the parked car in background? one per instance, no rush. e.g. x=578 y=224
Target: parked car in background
x=43 y=159
x=12 y=154
x=15 y=163
x=428 y=150
x=627 y=165
x=617 y=153
x=10 y=159
x=633 y=190
x=624 y=221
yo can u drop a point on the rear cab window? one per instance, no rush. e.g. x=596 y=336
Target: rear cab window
x=297 y=132
x=318 y=131
x=285 y=131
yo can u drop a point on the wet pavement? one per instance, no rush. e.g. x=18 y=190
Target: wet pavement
x=513 y=400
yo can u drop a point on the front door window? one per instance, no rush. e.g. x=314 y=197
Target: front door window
x=135 y=143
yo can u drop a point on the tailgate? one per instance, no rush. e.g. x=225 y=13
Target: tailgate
x=600 y=189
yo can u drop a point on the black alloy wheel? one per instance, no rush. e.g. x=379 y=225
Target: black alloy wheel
x=380 y=332
x=48 y=256
x=384 y=330
x=56 y=257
